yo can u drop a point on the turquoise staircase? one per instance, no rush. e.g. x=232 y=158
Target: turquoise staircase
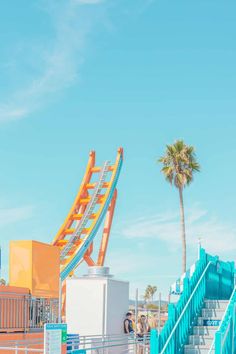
x=211 y=285
x=203 y=333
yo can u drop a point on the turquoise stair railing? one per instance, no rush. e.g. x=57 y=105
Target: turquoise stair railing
x=207 y=281
x=225 y=337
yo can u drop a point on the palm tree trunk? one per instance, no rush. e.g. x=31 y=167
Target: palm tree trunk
x=183 y=235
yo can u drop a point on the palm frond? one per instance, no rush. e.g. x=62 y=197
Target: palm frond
x=179 y=163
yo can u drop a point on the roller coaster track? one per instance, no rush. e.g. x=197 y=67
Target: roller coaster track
x=76 y=235
x=89 y=210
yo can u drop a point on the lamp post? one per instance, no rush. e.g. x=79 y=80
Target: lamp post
x=60 y=301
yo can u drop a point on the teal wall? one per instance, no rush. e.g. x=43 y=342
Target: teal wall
x=220 y=279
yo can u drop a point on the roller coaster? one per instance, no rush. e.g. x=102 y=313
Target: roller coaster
x=202 y=321
x=94 y=203
x=92 y=211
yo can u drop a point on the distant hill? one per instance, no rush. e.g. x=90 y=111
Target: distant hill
x=141 y=302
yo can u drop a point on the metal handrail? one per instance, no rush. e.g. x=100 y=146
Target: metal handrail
x=231 y=297
x=21 y=342
x=224 y=316
x=105 y=338
x=114 y=341
x=185 y=308
x=26 y=350
x=13 y=295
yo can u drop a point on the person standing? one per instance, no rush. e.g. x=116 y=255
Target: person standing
x=128 y=324
x=142 y=327
x=142 y=330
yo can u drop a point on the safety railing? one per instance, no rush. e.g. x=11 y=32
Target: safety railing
x=18 y=350
x=188 y=315
x=225 y=337
x=26 y=312
x=97 y=344
x=182 y=316
x=22 y=342
x=212 y=279
x=109 y=344
x=22 y=345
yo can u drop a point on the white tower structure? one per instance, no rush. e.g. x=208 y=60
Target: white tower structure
x=96 y=304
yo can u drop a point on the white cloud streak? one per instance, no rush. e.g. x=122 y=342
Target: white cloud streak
x=61 y=62
x=151 y=231
x=217 y=237
x=13 y=215
x=89 y=2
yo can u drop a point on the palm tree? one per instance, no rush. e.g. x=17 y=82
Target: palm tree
x=153 y=290
x=149 y=293
x=2 y=281
x=179 y=164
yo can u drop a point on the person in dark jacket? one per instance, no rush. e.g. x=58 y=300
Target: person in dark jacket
x=128 y=323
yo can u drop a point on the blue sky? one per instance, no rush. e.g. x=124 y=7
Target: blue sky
x=78 y=75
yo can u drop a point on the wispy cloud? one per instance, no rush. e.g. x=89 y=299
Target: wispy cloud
x=8 y=112
x=60 y=58
x=89 y=2
x=217 y=236
x=151 y=245
x=13 y=215
x=139 y=268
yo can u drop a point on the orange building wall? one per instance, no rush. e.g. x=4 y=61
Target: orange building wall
x=35 y=265
x=13 y=313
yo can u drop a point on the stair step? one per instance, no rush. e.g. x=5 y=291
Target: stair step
x=197 y=349
x=204 y=330
x=200 y=339
x=215 y=304
x=213 y=313
x=209 y=322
